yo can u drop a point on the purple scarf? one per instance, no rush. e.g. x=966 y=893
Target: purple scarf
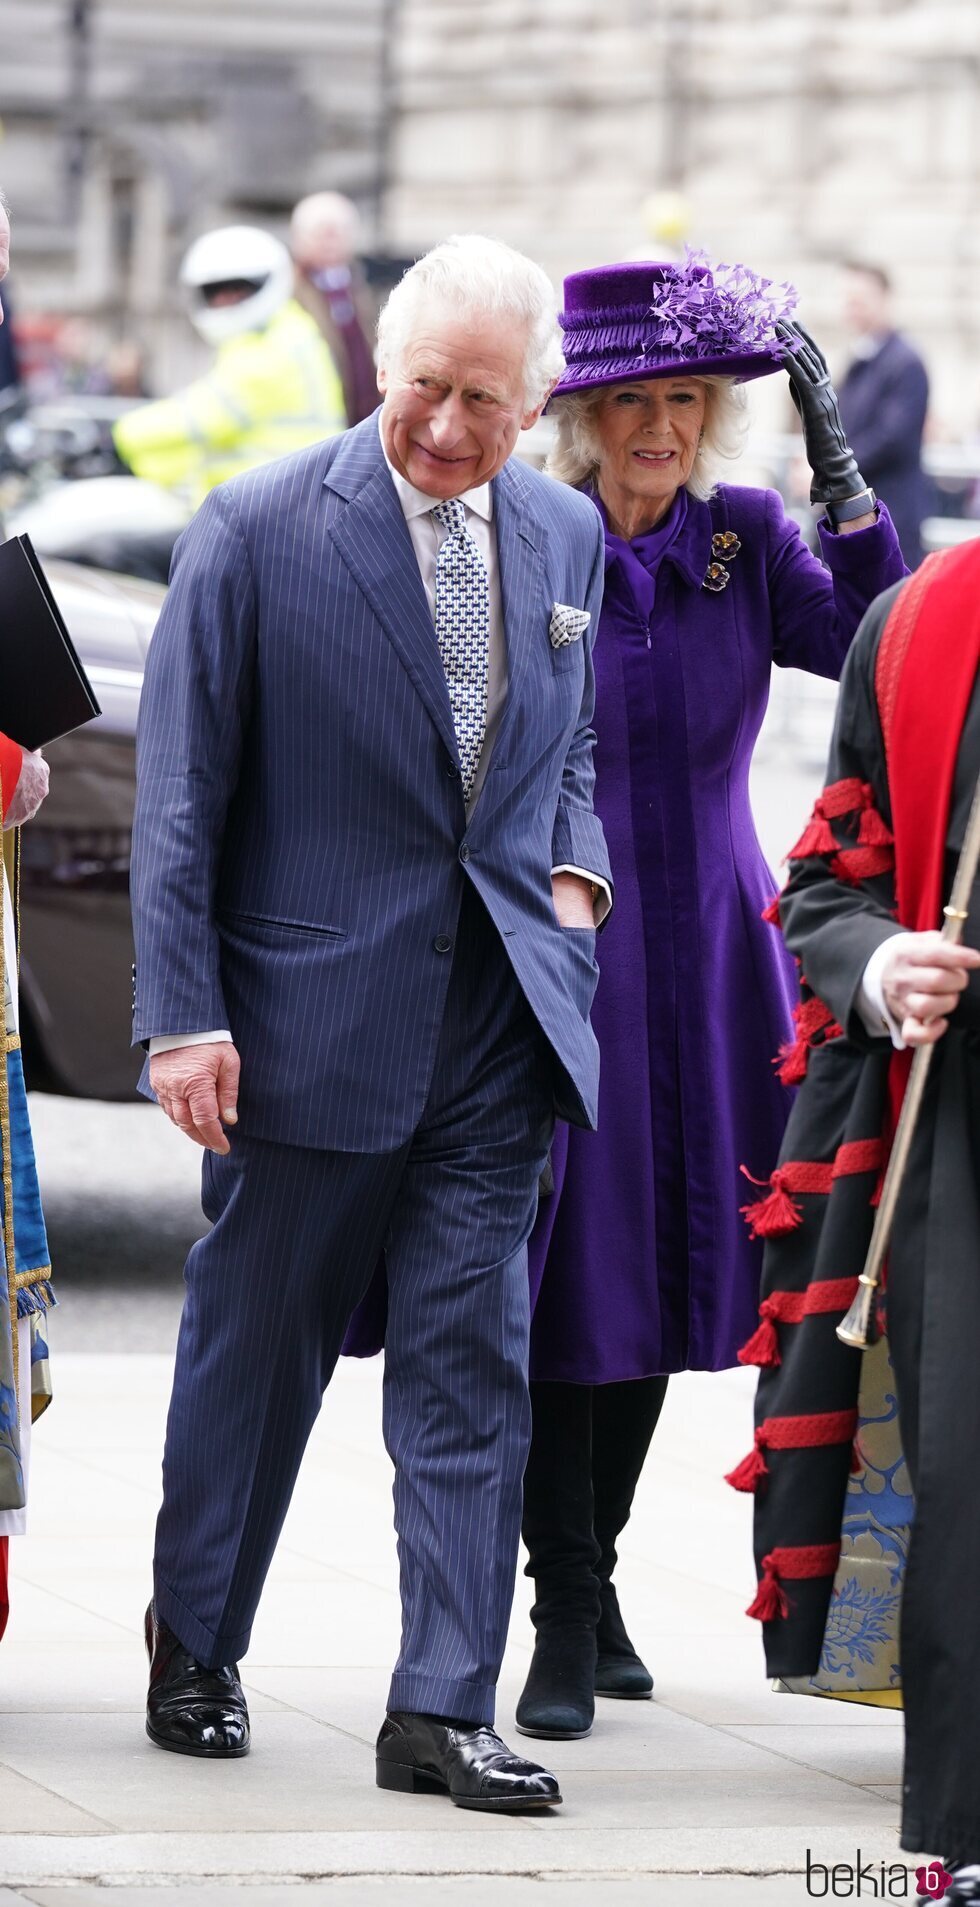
x=639 y=560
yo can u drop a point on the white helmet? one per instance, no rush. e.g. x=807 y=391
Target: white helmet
x=241 y=255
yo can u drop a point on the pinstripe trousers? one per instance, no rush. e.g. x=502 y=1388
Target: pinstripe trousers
x=296 y=1237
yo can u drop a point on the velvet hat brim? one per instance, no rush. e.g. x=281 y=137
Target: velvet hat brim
x=643 y=320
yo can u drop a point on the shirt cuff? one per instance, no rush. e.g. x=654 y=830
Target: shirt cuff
x=603 y=901
x=167 y=1042
x=870 y=1002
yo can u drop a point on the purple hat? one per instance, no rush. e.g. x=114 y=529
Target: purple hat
x=659 y=320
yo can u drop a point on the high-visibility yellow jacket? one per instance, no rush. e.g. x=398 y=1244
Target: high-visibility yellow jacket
x=268 y=393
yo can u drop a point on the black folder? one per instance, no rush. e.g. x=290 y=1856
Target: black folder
x=44 y=691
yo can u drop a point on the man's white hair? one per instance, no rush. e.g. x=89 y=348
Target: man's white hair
x=480 y=277
x=577 y=454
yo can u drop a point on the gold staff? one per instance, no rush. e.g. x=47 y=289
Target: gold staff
x=856 y=1328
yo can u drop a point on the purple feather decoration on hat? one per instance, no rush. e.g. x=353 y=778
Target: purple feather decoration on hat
x=710 y=311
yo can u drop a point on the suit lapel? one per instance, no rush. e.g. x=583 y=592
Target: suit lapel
x=372 y=536
x=522 y=584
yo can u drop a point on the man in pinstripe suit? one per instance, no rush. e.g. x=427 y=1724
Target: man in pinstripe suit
x=366 y=873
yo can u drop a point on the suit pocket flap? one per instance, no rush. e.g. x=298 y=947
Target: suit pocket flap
x=277 y=924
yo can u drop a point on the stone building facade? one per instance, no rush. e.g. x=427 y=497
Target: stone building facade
x=130 y=125
x=794 y=134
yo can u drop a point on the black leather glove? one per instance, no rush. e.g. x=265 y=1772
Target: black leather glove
x=829 y=455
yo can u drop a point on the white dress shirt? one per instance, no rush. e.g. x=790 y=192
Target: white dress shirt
x=871 y=1003
x=427 y=536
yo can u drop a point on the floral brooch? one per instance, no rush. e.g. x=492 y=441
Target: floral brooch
x=724 y=546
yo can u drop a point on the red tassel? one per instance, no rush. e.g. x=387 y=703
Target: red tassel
x=770 y=1600
x=793 y=1058
x=748 y=1474
x=774 y=1216
x=762 y=1348
x=873 y=831
x=770 y=914
x=817 y=838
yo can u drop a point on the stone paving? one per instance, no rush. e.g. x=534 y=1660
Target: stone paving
x=712 y=1794
x=717 y=1777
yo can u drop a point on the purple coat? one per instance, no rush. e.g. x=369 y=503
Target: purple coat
x=640 y=1261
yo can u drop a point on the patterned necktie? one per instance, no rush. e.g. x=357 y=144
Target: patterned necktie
x=463 y=633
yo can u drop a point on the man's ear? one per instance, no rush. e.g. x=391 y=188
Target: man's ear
x=530 y=418
x=382 y=378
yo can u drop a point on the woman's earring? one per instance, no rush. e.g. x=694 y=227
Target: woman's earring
x=700 y=450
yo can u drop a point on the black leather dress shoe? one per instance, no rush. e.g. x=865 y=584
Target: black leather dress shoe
x=424 y=1754
x=189 y=1709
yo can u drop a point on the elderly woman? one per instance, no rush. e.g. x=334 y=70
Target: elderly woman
x=25 y=1292
x=640 y=1263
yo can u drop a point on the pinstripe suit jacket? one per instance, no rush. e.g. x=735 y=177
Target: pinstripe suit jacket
x=300 y=842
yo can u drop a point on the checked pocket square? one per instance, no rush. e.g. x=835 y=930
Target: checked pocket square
x=567 y=625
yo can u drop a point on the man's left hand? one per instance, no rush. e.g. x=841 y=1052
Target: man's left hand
x=573 y=900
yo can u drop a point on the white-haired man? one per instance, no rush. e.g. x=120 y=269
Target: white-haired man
x=366 y=872
x=324 y=233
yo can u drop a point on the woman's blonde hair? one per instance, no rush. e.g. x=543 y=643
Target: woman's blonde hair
x=577 y=452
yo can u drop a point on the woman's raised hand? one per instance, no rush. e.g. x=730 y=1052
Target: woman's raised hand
x=829 y=455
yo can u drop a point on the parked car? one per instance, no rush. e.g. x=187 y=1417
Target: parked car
x=74 y=884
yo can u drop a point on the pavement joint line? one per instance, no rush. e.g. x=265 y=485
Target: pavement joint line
x=98 y=1470
x=731 y=1728
x=24 y=1577
x=54 y=1794
x=138 y=1877
x=349 y=1575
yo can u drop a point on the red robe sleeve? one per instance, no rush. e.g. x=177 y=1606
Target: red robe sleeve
x=11 y=760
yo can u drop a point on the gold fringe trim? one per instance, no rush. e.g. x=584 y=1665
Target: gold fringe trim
x=35 y=1277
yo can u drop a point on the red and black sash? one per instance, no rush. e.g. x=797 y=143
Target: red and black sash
x=926 y=667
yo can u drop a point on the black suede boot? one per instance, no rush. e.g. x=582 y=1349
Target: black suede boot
x=558 y=1702
x=624 y=1418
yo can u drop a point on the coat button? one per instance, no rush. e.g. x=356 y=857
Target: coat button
x=452 y=771
x=443 y=943
x=464 y=853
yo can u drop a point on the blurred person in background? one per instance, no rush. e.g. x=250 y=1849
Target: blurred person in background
x=884 y=398
x=9 y=362
x=25 y=1267
x=272 y=387
x=324 y=232
x=640 y=1265
x=25 y=1291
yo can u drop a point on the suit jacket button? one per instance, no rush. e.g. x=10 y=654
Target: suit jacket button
x=452 y=771
x=443 y=943
x=464 y=853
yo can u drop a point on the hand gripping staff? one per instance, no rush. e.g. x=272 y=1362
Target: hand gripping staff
x=857 y=1328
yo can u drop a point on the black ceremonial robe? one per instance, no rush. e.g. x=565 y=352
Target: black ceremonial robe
x=838 y=905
